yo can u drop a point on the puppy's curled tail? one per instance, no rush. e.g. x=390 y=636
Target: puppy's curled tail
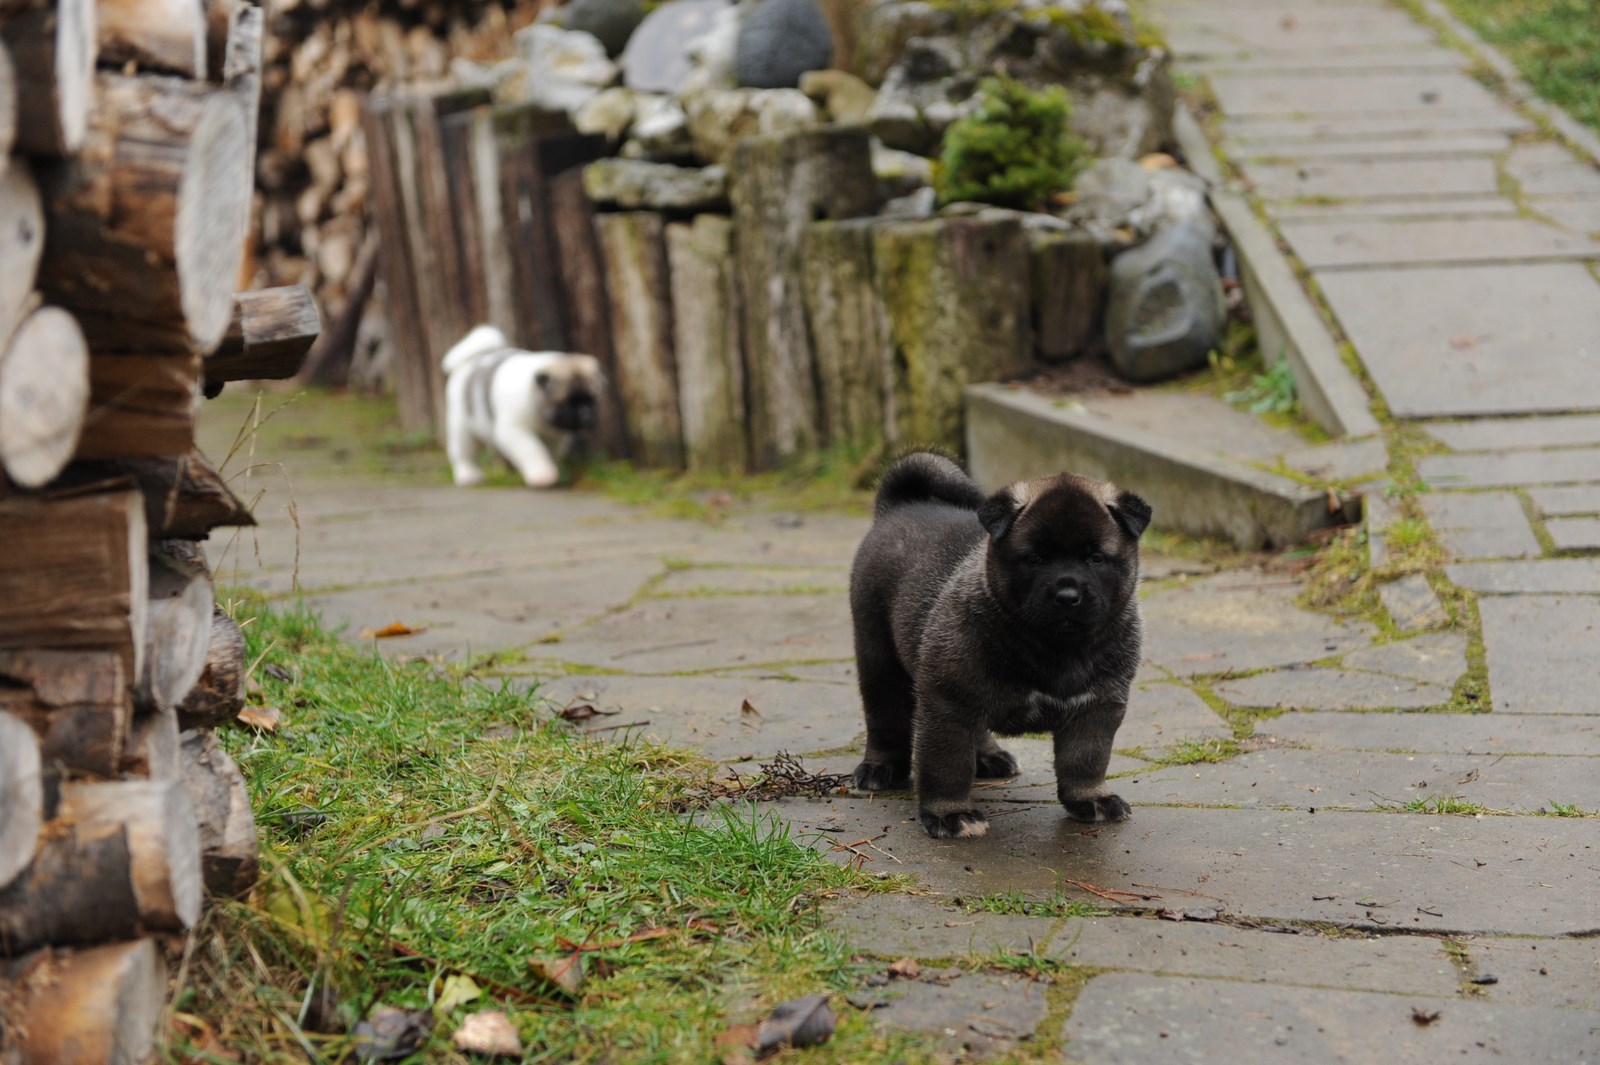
x=924 y=476
x=481 y=341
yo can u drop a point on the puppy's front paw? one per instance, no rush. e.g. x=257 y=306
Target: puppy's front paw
x=881 y=776
x=467 y=476
x=1099 y=808
x=964 y=824
x=996 y=764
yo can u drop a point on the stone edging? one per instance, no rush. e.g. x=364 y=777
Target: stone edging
x=1287 y=322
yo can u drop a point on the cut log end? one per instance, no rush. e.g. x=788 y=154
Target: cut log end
x=219 y=694
x=21 y=796
x=101 y=1004
x=228 y=852
x=53 y=51
x=165 y=35
x=44 y=393
x=163 y=841
x=268 y=337
x=21 y=238
x=178 y=631
x=213 y=216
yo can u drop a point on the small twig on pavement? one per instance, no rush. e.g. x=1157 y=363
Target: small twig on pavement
x=1110 y=894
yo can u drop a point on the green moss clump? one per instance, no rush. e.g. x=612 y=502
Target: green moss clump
x=1090 y=26
x=1013 y=151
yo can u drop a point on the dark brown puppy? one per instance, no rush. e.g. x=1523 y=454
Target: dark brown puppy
x=976 y=615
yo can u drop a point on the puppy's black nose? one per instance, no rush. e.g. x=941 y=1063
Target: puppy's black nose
x=1069 y=595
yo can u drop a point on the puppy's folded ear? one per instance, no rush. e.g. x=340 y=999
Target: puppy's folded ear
x=998 y=512
x=1131 y=512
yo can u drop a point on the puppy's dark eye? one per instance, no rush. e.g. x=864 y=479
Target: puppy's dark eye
x=1097 y=559
x=1034 y=559
x=542 y=379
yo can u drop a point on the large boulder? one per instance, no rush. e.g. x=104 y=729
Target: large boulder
x=658 y=58
x=779 y=40
x=612 y=22
x=1166 y=309
x=927 y=89
x=1122 y=202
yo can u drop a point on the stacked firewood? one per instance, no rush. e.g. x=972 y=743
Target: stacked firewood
x=126 y=136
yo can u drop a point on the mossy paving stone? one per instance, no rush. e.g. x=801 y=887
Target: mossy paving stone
x=1438 y=733
x=1481 y=525
x=1129 y=1019
x=974 y=1015
x=1354 y=780
x=1331 y=689
x=1538 y=578
x=1397 y=872
x=1495 y=469
x=900 y=926
x=1394 y=242
x=1484 y=435
x=1421 y=120
x=1436 y=658
x=1571 y=499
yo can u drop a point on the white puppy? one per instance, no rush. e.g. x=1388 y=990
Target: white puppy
x=521 y=403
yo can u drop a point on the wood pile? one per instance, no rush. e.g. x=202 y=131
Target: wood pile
x=127 y=128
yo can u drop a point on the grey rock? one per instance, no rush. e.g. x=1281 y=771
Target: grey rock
x=1166 y=309
x=925 y=91
x=779 y=40
x=720 y=118
x=565 y=69
x=1118 y=194
x=1127 y=119
x=783 y=111
x=660 y=130
x=1412 y=604
x=920 y=204
x=901 y=173
x=657 y=58
x=634 y=184
x=847 y=98
x=611 y=22
x=610 y=112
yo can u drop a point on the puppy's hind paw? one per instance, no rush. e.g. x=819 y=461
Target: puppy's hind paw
x=1099 y=808
x=964 y=824
x=996 y=764
x=881 y=776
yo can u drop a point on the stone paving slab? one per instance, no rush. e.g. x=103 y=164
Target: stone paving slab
x=971 y=1014
x=1578 y=214
x=751 y=580
x=915 y=926
x=1372 y=179
x=1322 y=245
x=1574 y=534
x=1511 y=433
x=1258 y=35
x=1481 y=525
x=1474 y=340
x=1238 y=622
x=1542 y=651
x=1453 y=146
x=1164 y=714
x=1549 y=169
x=1412 y=604
x=1437 y=733
x=1458 y=207
x=1331 y=689
x=1436 y=658
x=1321 y=94
x=1343 y=460
x=1540 y=972
x=1416 y=872
x=1400 y=60
x=1419 y=121
x=1127 y=1019
x=1362 y=780
x=1494 y=469
x=1551 y=576
x=1572 y=499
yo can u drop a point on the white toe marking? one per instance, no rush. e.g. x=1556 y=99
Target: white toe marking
x=973 y=829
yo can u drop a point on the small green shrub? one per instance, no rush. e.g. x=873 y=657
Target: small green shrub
x=1013 y=151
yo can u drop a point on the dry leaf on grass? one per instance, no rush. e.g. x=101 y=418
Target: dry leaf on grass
x=458 y=990
x=489 y=1033
x=265 y=718
x=562 y=974
x=583 y=712
x=906 y=969
x=395 y=628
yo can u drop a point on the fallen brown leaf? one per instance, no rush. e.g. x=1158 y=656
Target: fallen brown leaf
x=396 y=628
x=906 y=969
x=1464 y=341
x=562 y=974
x=1423 y=1017
x=584 y=711
x=490 y=1033
x=748 y=708
x=265 y=718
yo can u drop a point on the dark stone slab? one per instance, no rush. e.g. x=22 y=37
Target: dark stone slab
x=1550 y=576
x=1160 y=715
x=1125 y=1019
x=1416 y=872
x=1379 y=178
x=1412 y=603
x=971 y=1014
x=1540 y=972
x=1331 y=689
x=1574 y=534
x=1437 y=733
x=1503 y=433
x=1347 y=243
x=1349 y=780
x=1542 y=651
x=1436 y=658
x=1571 y=499
x=1462 y=340
x=1481 y=525
x=1492 y=469
x=1239 y=621
x=1196 y=948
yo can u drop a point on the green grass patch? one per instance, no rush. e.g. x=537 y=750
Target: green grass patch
x=1199 y=752
x=1055 y=904
x=1446 y=804
x=417 y=825
x=1555 y=44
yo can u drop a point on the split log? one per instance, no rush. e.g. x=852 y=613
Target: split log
x=21 y=796
x=219 y=694
x=159 y=35
x=633 y=244
x=21 y=240
x=77 y=704
x=241 y=67
x=75 y=574
x=140 y=405
x=152 y=750
x=228 y=851
x=779 y=185
x=145 y=228
x=118 y=860
x=268 y=337
x=8 y=104
x=52 y=46
x=100 y=1005
x=850 y=334
x=586 y=302
x=44 y=396
x=184 y=498
x=178 y=632
x=956 y=294
x=1067 y=285
x=705 y=334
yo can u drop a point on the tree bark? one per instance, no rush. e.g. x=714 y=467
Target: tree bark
x=159 y=35
x=219 y=694
x=44 y=396
x=77 y=704
x=75 y=574
x=21 y=796
x=145 y=227
x=850 y=332
x=779 y=185
x=100 y=1005
x=228 y=852
x=633 y=244
x=706 y=339
x=268 y=337
x=184 y=499
x=524 y=197
x=117 y=860
x=52 y=46
x=179 y=629
x=21 y=242
x=140 y=405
